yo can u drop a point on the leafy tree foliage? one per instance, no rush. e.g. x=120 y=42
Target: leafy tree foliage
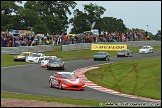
x=51 y=16
x=7 y=19
x=52 y=13
x=111 y=24
x=82 y=20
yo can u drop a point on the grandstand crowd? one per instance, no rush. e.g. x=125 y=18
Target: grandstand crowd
x=8 y=40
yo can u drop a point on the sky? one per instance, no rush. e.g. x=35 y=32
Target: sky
x=144 y=15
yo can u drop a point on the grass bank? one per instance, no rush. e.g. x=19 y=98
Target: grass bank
x=134 y=77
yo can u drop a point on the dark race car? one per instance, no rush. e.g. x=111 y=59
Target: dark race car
x=56 y=63
x=125 y=53
x=101 y=56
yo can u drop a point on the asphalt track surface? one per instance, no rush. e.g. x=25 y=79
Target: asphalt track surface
x=32 y=79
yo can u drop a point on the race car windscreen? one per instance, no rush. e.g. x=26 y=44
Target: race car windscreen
x=67 y=76
x=145 y=47
x=55 y=60
x=35 y=55
x=124 y=51
x=47 y=58
x=23 y=54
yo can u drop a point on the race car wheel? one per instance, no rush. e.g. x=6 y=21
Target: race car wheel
x=130 y=55
x=60 y=86
x=50 y=83
x=94 y=59
x=39 y=61
x=48 y=68
x=106 y=59
x=62 y=68
x=152 y=51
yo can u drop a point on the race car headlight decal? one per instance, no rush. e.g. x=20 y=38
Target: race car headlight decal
x=65 y=82
x=36 y=59
x=42 y=62
x=61 y=64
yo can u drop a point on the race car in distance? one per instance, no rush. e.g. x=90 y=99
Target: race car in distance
x=46 y=60
x=22 y=56
x=35 y=58
x=125 y=53
x=101 y=56
x=56 y=63
x=66 y=80
x=146 y=49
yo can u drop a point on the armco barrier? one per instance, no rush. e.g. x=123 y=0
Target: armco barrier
x=18 y=50
x=79 y=46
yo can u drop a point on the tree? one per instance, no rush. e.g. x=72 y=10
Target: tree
x=111 y=24
x=82 y=20
x=158 y=35
x=40 y=28
x=28 y=18
x=52 y=13
x=8 y=9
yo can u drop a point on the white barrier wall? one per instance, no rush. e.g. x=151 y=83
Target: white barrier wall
x=79 y=46
x=18 y=50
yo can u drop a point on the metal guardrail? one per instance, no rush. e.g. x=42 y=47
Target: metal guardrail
x=79 y=46
x=18 y=50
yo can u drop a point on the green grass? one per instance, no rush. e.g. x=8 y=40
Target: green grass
x=140 y=77
x=135 y=77
x=7 y=60
x=52 y=99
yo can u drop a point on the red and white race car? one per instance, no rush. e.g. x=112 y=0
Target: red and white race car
x=66 y=80
x=46 y=60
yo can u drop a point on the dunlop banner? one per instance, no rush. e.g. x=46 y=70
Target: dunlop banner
x=116 y=47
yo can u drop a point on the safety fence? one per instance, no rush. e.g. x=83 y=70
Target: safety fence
x=79 y=46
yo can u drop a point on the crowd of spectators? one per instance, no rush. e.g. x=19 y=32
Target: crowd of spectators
x=8 y=40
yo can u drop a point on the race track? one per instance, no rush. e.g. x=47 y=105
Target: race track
x=32 y=79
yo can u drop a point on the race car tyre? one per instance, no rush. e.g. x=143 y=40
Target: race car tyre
x=106 y=59
x=39 y=61
x=60 y=86
x=94 y=59
x=62 y=68
x=152 y=51
x=48 y=68
x=50 y=84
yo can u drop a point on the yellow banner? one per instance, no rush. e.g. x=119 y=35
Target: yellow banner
x=114 y=47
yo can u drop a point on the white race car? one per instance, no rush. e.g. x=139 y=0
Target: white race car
x=35 y=58
x=146 y=49
x=46 y=60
